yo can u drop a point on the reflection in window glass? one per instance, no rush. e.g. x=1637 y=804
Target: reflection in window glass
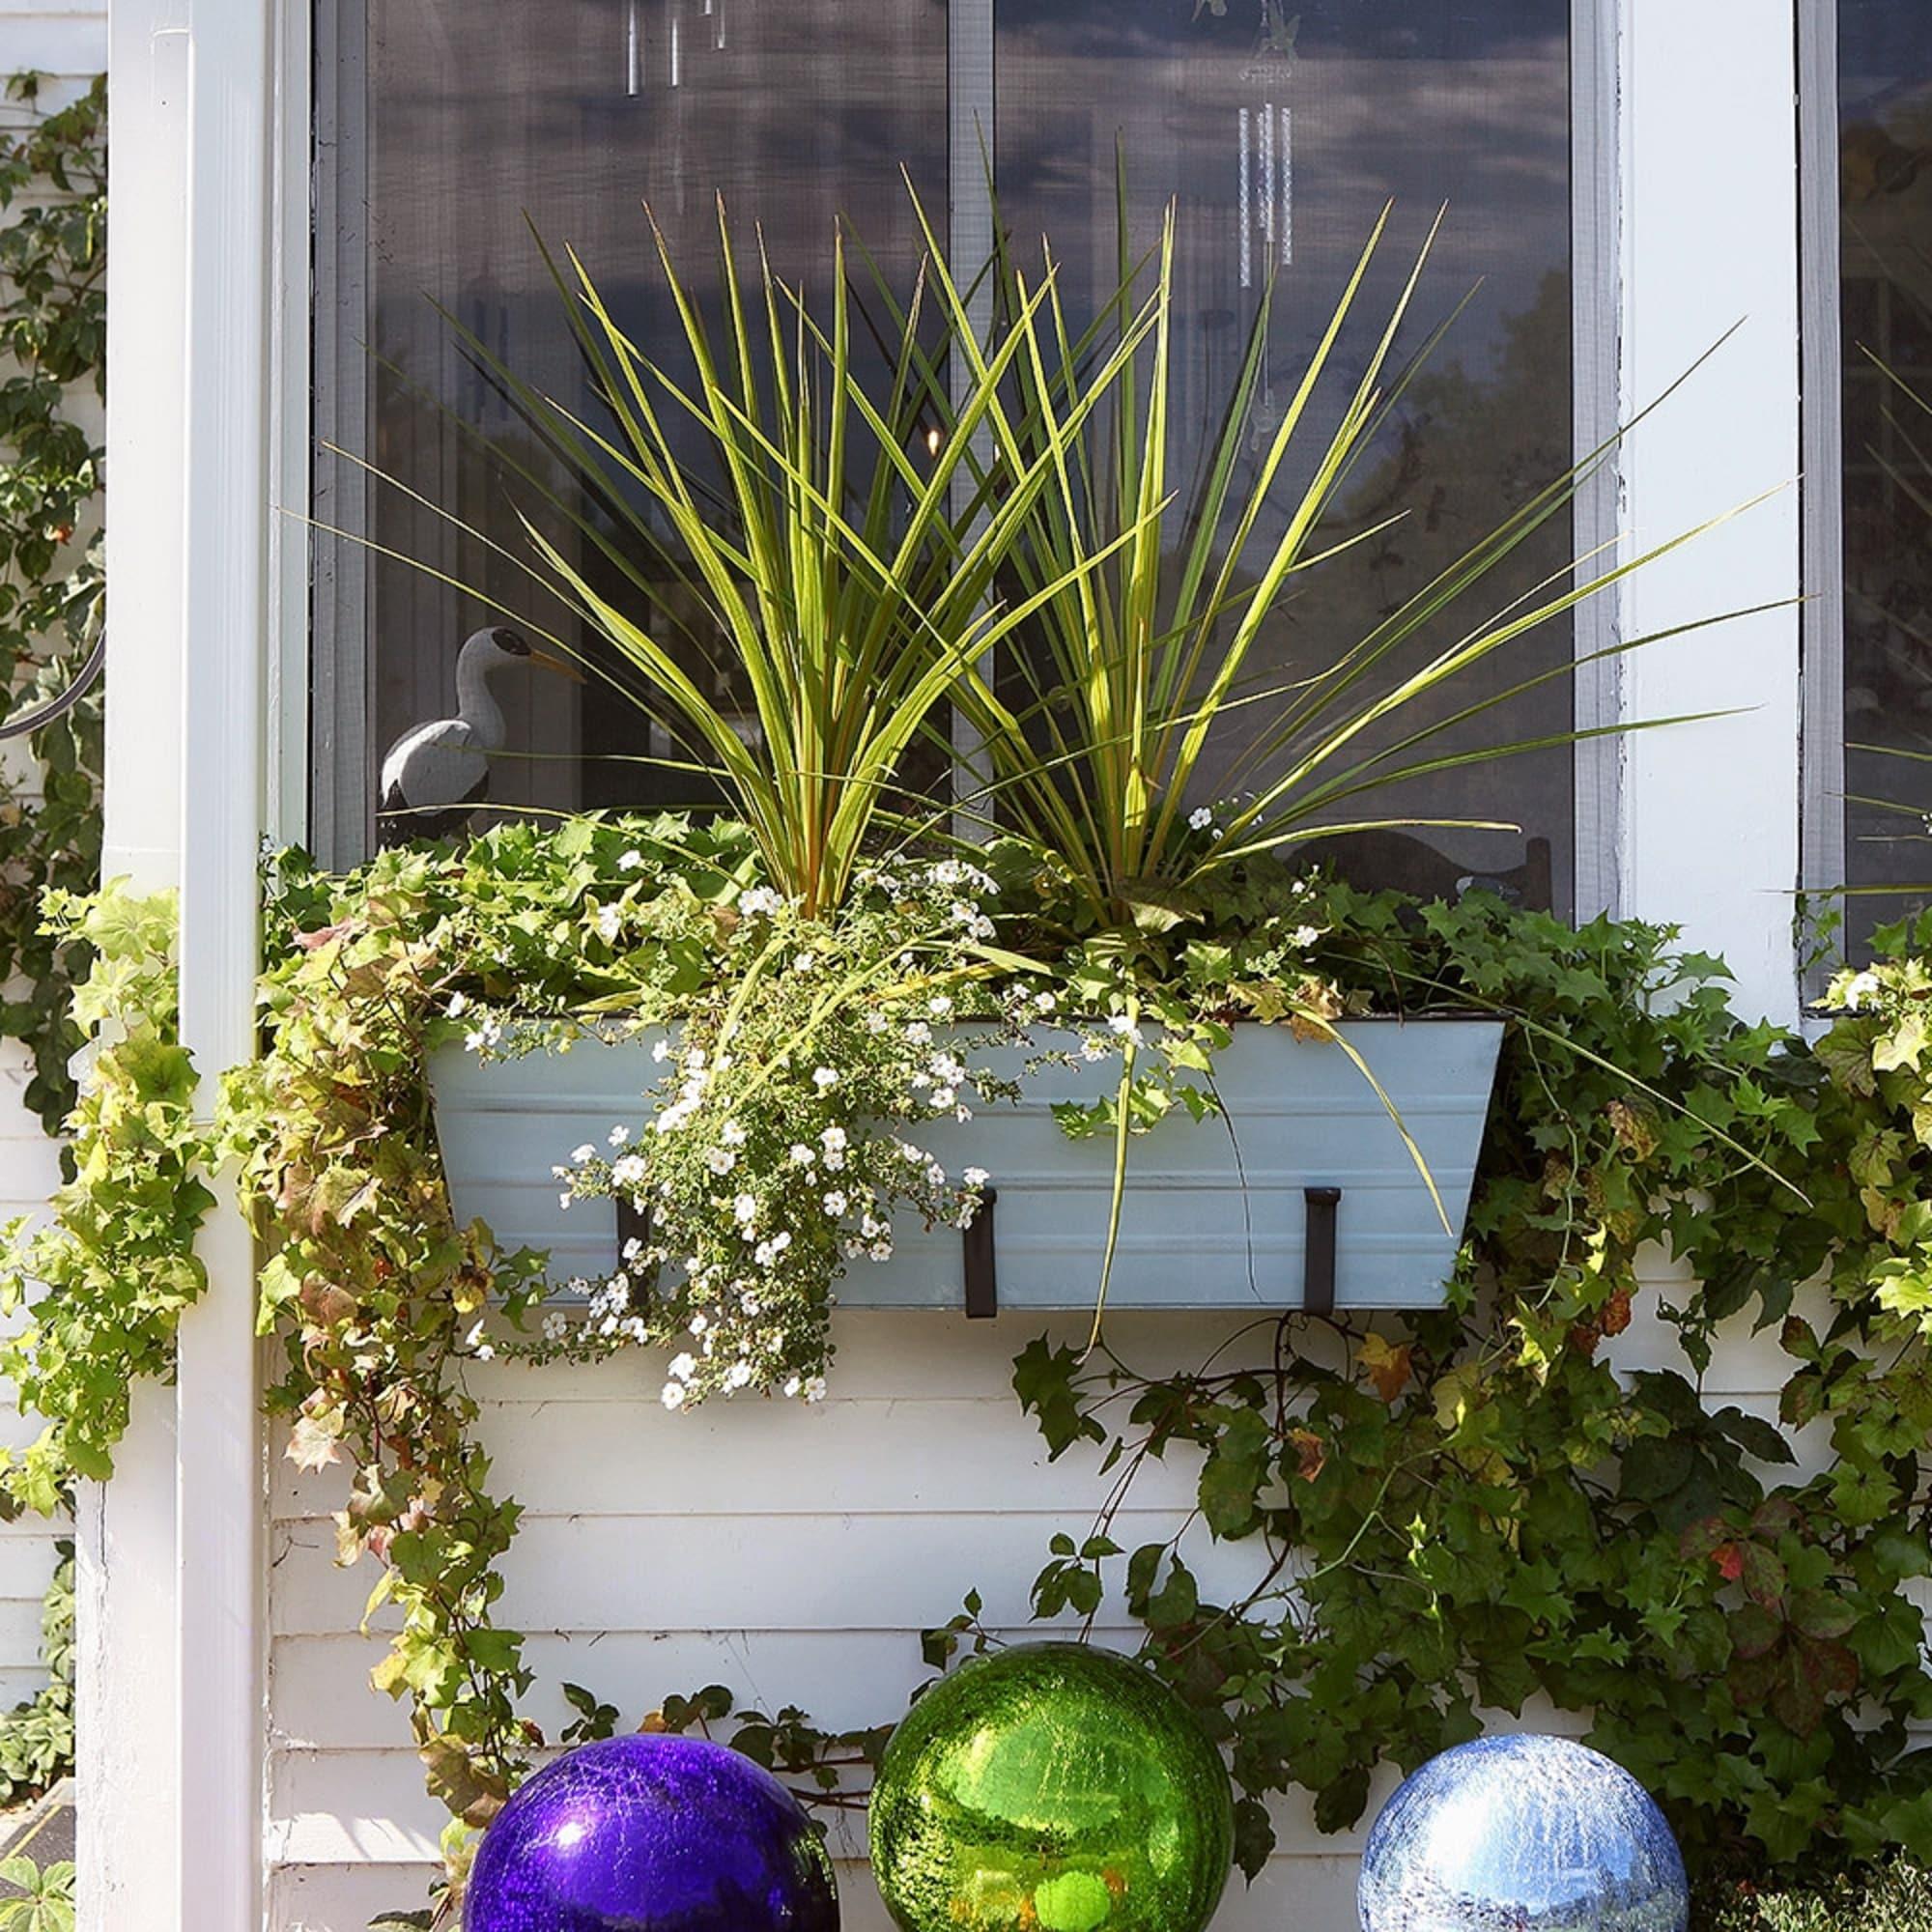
x=1279 y=131
x=1885 y=145
x=1282 y=132
x=485 y=120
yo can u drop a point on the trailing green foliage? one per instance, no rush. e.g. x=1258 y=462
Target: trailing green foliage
x=45 y=1901
x=53 y=329
x=1451 y=1513
x=37 y=1735
x=105 y=1285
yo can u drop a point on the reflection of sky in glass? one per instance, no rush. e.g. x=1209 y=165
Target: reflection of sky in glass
x=1523 y=1834
x=485 y=112
x=1885 y=99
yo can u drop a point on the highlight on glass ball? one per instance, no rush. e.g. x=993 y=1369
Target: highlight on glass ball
x=1052 y=1787
x=652 y=1834
x=1523 y=1834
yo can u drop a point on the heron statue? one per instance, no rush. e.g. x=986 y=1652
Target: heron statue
x=436 y=774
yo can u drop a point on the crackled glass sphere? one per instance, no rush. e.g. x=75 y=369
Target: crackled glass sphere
x=1053 y=1787
x=651 y=1835
x=1523 y=1834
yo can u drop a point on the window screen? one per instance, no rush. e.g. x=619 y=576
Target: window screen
x=459 y=127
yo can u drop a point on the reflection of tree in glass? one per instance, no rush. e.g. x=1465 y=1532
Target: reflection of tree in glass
x=1465 y=452
x=1886 y=295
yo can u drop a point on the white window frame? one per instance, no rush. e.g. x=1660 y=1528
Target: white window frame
x=1825 y=860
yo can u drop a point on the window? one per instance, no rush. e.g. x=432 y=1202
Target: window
x=1280 y=132
x=1868 y=390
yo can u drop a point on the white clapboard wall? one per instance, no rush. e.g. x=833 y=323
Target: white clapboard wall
x=66 y=39
x=792 y=1553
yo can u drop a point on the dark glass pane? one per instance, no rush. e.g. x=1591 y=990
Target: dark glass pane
x=484 y=118
x=1885 y=134
x=1281 y=131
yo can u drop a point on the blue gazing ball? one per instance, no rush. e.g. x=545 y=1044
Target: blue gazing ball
x=651 y=1835
x=1523 y=1834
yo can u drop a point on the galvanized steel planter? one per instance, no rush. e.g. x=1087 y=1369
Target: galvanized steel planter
x=1216 y=1214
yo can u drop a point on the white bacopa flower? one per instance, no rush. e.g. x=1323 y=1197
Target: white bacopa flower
x=737 y=1375
x=1202 y=819
x=792 y=1387
x=825 y=1078
x=457 y=1003
x=721 y=1160
x=750 y=1303
x=746 y=1208
x=836 y=1201
x=877 y=1021
x=833 y=1140
x=555 y=1326
x=814 y=1388
x=918 y=1033
x=943 y=1099
x=683 y=1367
x=801 y=1154
x=619 y=1135
x=940 y=1003
x=1305 y=936
x=629 y=1172
x=976 y=1177
x=564 y=1199
x=673 y=1395
x=806 y=962
x=609 y=922
x=586 y=1152
x=732 y=1134
x=631 y=860
x=632 y=1249
x=661 y=1051
x=699 y=1323
x=759 y=900
x=936 y=1174
x=634 y=1329
x=1046 y=1002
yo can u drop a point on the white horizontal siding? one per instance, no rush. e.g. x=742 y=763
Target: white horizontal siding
x=67 y=39
x=793 y=1554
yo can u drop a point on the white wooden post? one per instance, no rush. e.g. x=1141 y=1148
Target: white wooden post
x=171 y=1679
x=1710 y=810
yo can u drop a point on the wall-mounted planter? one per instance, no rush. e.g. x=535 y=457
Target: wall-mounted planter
x=1223 y=1214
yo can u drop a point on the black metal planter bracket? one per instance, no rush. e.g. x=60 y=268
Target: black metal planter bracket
x=982 y=1275
x=1318 y=1288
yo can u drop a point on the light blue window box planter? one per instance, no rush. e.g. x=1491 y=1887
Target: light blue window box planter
x=1217 y=1214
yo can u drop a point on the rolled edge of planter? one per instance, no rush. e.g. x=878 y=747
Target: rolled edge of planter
x=1215 y=1213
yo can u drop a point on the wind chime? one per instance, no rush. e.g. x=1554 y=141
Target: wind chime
x=1265 y=210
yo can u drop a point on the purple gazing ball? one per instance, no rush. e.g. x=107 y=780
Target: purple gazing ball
x=652 y=1834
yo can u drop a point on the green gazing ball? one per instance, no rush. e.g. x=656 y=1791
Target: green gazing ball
x=1052 y=1788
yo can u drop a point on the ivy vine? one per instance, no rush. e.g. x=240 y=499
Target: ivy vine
x=1451 y=1512
x=53 y=333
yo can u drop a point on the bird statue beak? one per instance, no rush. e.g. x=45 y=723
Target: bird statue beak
x=561 y=665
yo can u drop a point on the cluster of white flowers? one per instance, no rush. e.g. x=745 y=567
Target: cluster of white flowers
x=690 y=1094
x=485 y=1035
